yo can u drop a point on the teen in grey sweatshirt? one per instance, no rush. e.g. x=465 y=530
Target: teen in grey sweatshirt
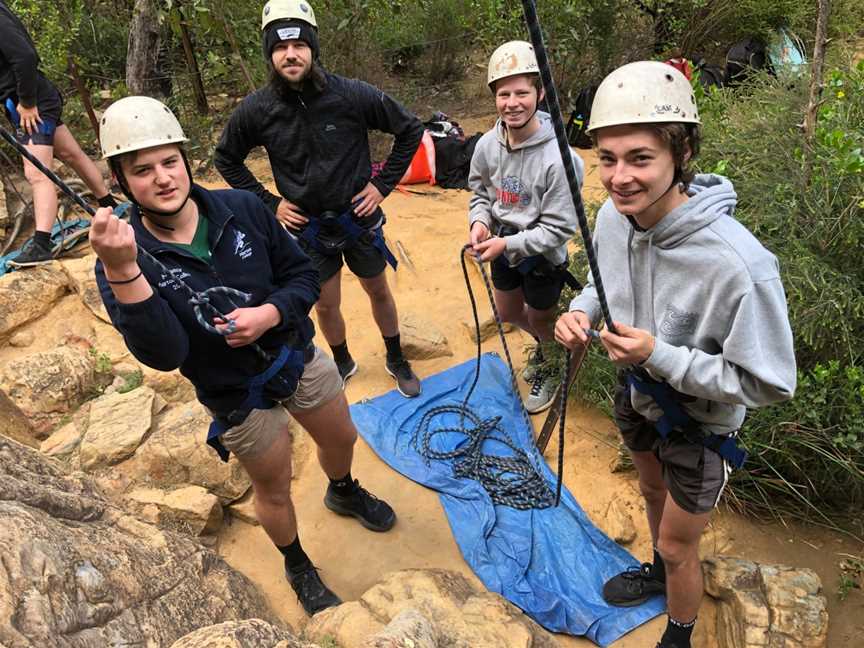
x=711 y=295
x=524 y=189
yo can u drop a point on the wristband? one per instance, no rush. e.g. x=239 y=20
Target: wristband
x=124 y=281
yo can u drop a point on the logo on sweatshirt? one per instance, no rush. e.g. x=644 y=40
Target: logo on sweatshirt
x=512 y=192
x=173 y=278
x=241 y=247
x=678 y=323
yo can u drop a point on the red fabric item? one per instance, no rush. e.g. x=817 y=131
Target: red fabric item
x=682 y=65
x=422 y=168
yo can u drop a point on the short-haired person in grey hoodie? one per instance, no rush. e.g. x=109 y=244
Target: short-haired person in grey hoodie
x=521 y=214
x=702 y=329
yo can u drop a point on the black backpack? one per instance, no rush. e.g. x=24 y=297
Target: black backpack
x=579 y=116
x=744 y=57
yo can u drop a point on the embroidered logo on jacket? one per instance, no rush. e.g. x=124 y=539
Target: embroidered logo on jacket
x=678 y=323
x=512 y=192
x=173 y=278
x=241 y=247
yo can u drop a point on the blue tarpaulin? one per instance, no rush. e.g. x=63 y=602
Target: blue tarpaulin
x=551 y=562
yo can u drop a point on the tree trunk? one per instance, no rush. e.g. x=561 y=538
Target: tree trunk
x=142 y=54
x=816 y=69
x=192 y=64
x=232 y=40
x=84 y=93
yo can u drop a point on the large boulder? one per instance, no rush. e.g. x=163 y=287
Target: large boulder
x=28 y=294
x=118 y=425
x=77 y=571
x=36 y=391
x=191 y=509
x=252 y=633
x=175 y=454
x=445 y=608
x=766 y=606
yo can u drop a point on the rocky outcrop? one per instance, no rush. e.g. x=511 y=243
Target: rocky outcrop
x=82 y=279
x=191 y=509
x=36 y=391
x=421 y=340
x=176 y=454
x=441 y=609
x=118 y=425
x=25 y=296
x=766 y=606
x=77 y=571
x=252 y=633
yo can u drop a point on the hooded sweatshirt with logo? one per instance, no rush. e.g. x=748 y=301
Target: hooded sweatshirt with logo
x=524 y=189
x=711 y=295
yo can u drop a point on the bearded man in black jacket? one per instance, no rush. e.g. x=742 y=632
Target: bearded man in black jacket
x=314 y=126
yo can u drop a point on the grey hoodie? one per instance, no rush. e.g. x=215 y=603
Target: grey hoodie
x=711 y=295
x=524 y=188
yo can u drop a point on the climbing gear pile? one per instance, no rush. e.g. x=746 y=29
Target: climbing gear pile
x=510 y=480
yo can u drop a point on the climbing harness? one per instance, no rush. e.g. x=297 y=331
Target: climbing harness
x=515 y=480
x=287 y=367
x=675 y=417
x=333 y=232
x=527 y=265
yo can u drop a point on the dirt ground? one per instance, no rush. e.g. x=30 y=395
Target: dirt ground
x=432 y=227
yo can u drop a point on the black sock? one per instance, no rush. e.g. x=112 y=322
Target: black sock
x=344 y=486
x=394 y=348
x=340 y=352
x=107 y=201
x=677 y=634
x=43 y=239
x=296 y=559
x=658 y=570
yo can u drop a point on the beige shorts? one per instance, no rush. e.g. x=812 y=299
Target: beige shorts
x=319 y=384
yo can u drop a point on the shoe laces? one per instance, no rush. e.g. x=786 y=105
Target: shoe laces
x=639 y=572
x=537 y=383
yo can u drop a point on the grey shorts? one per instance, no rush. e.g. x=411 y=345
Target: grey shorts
x=694 y=475
x=319 y=384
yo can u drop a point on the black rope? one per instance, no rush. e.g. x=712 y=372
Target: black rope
x=199 y=300
x=533 y=22
x=510 y=480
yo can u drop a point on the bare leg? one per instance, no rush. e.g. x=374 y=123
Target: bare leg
x=330 y=318
x=511 y=308
x=333 y=431
x=383 y=304
x=653 y=489
x=542 y=322
x=679 y=545
x=69 y=152
x=44 y=191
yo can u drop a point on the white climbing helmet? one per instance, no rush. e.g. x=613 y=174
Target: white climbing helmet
x=136 y=123
x=512 y=58
x=644 y=92
x=287 y=10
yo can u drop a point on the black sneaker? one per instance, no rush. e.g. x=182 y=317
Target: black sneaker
x=311 y=591
x=407 y=381
x=373 y=513
x=32 y=254
x=633 y=587
x=347 y=369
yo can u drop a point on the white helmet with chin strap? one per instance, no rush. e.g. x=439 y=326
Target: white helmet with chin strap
x=512 y=58
x=136 y=123
x=644 y=92
x=287 y=10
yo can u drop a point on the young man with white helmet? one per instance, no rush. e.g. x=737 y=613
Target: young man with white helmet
x=211 y=239
x=314 y=126
x=702 y=329
x=521 y=215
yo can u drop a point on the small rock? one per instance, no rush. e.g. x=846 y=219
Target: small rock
x=21 y=339
x=25 y=296
x=618 y=523
x=191 y=508
x=488 y=329
x=62 y=442
x=421 y=340
x=408 y=629
x=118 y=425
x=83 y=281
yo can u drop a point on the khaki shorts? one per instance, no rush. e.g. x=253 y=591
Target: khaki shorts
x=319 y=384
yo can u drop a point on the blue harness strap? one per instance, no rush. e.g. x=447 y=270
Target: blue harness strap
x=353 y=233
x=676 y=418
x=289 y=364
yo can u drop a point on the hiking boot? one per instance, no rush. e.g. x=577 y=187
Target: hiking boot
x=32 y=254
x=347 y=369
x=311 y=591
x=407 y=381
x=373 y=513
x=542 y=393
x=633 y=587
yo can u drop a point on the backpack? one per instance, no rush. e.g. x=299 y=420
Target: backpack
x=744 y=57
x=579 y=116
